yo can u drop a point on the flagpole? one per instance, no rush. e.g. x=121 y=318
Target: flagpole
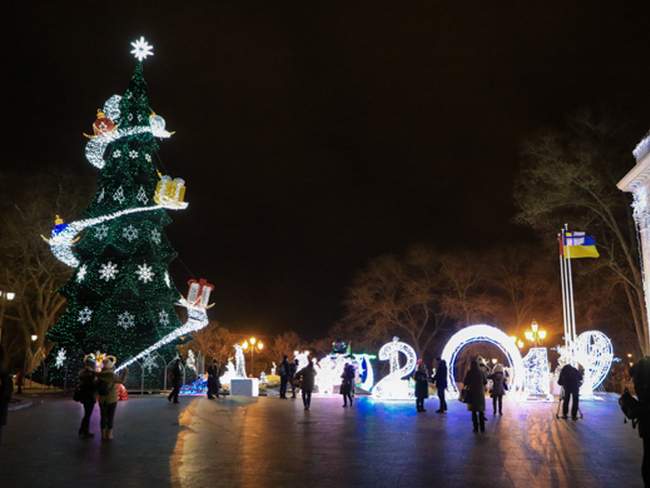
x=560 y=238
x=572 y=310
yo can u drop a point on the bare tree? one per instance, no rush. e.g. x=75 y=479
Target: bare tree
x=570 y=176
x=213 y=341
x=398 y=295
x=29 y=269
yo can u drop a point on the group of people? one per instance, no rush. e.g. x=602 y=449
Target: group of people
x=422 y=380
x=473 y=393
x=305 y=379
x=98 y=387
x=287 y=372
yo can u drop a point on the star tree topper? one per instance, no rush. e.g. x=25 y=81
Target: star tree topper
x=141 y=49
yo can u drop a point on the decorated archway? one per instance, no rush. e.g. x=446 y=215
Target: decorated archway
x=483 y=333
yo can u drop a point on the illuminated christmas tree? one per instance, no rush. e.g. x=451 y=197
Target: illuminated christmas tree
x=120 y=298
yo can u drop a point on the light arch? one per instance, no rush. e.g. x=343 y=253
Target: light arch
x=483 y=333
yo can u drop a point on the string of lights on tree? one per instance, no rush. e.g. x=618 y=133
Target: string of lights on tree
x=121 y=298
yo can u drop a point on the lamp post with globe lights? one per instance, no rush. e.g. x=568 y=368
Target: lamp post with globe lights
x=535 y=334
x=252 y=344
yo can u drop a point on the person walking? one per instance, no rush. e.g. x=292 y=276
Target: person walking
x=474 y=383
x=213 y=380
x=421 y=378
x=284 y=377
x=107 y=382
x=6 y=389
x=570 y=380
x=87 y=395
x=499 y=388
x=440 y=379
x=293 y=368
x=306 y=376
x=347 y=384
x=640 y=410
x=175 y=375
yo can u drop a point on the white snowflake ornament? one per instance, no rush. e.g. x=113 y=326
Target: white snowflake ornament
x=125 y=320
x=133 y=154
x=101 y=231
x=142 y=196
x=141 y=49
x=117 y=153
x=85 y=314
x=60 y=358
x=118 y=196
x=108 y=271
x=163 y=317
x=130 y=233
x=145 y=273
x=156 y=236
x=81 y=274
x=149 y=363
x=147 y=157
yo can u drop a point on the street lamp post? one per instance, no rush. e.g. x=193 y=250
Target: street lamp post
x=253 y=344
x=535 y=334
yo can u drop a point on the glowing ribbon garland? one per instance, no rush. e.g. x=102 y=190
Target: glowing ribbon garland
x=197 y=319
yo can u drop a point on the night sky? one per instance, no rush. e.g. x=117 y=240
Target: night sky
x=314 y=136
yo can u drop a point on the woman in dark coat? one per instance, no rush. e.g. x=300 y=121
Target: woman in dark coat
x=498 y=388
x=421 y=378
x=87 y=394
x=6 y=389
x=440 y=379
x=474 y=383
x=347 y=384
x=306 y=376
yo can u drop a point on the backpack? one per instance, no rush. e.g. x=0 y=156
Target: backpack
x=630 y=406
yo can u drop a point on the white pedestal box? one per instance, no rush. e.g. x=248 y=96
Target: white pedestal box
x=245 y=387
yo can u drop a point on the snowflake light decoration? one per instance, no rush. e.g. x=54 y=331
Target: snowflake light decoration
x=130 y=233
x=133 y=154
x=163 y=317
x=141 y=49
x=117 y=153
x=108 y=271
x=142 y=196
x=81 y=274
x=149 y=363
x=145 y=273
x=118 y=196
x=101 y=231
x=125 y=320
x=60 y=358
x=155 y=237
x=147 y=157
x=85 y=314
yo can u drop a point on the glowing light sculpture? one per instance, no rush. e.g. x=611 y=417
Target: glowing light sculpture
x=128 y=126
x=302 y=357
x=537 y=379
x=595 y=353
x=330 y=368
x=484 y=333
x=240 y=362
x=392 y=386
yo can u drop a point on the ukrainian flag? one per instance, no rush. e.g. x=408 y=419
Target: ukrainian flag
x=579 y=245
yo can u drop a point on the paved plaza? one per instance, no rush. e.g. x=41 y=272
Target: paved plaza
x=268 y=442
